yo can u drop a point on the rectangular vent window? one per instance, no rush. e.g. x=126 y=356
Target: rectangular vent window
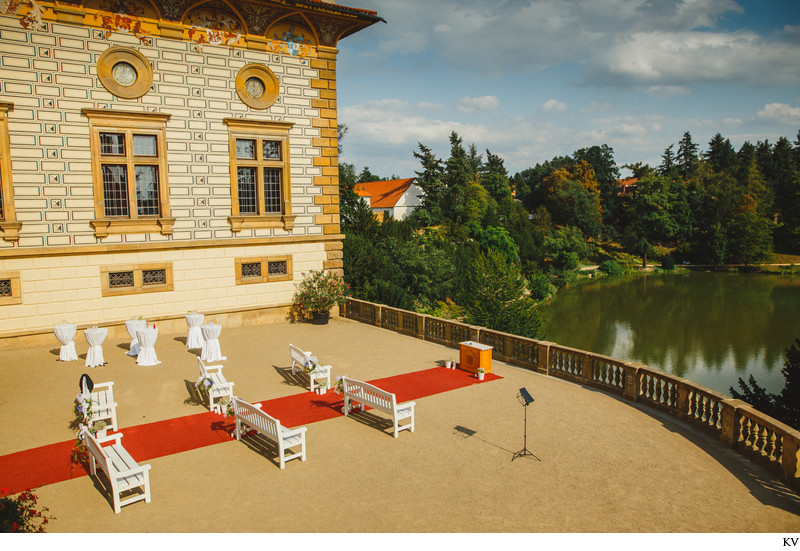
x=154 y=277
x=251 y=269
x=120 y=279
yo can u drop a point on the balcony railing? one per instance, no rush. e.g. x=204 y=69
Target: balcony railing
x=759 y=437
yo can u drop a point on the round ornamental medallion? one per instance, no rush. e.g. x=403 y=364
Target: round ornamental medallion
x=124 y=72
x=257 y=86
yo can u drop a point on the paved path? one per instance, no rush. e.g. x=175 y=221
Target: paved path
x=602 y=464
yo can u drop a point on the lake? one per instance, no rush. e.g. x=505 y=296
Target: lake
x=710 y=328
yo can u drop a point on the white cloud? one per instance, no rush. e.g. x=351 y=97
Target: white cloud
x=779 y=112
x=554 y=106
x=483 y=103
x=663 y=91
x=670 y=43
x=679 y=58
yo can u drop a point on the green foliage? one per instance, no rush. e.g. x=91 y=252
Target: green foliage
x=539 y=285
x=496 y=297
x=610 y=267
x=319 y=291
x=565 y=247
x=784 y=406
x=668 y=263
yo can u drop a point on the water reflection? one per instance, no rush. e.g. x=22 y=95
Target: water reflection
x=707 y=327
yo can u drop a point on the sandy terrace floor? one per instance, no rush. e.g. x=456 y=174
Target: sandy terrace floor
x=601 y=464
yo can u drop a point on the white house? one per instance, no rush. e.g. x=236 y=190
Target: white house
x=395 y=198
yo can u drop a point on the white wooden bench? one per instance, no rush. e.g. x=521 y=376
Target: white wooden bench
x=103 y=407
x=252 y=416
x=370 y=395
x=220 y=387
x=123 y=472
x=301 y=358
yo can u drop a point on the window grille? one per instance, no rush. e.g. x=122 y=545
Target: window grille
x=115 y=190
x=247 y=190
x=251 y=269
x=276 y=268
x=120 y=279
x=154 y=277
x=5 y=288
x=272 y=190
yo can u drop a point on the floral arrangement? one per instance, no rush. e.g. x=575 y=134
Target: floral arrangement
x=204 y=384
x=226 y=405
x=310 y=365
x=338 y=386
x=19 y=514
x=319 y=291
x=83 y=417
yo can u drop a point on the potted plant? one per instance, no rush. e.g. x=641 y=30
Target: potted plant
x=480 y=372
x=318 y=293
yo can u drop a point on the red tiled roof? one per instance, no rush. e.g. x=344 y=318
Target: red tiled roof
x=337 y=7
x=383 y=194
x=627 y=182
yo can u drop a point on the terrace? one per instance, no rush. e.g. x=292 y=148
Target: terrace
x=603 y=463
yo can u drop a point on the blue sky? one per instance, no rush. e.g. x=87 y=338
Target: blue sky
x=532 y=79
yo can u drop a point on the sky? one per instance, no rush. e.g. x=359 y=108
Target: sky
x=530 y=80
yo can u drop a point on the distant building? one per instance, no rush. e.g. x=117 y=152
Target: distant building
x=626 y=187
x=395 y=198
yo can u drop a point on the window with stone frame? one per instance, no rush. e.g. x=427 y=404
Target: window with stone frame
x=9 y=226
x=260 y=174
x=130 y=280
x=129 y=168
x=263 y=269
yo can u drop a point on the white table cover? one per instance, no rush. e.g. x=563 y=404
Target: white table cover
x=211 y=351
x=95 y=337
x=65 y=333
x=195 y=337
x=133 y=326
x=147 y=342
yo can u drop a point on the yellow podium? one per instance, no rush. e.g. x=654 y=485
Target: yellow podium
x=474 y=355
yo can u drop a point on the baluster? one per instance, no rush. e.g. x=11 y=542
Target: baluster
x=762 y=440
x=717 y=414
x=769 y=448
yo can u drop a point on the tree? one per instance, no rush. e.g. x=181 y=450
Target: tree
x=784 y=406
x=429 y=179
x=749 y=239
x=668 y=165
x=496 y=299
x=601 y=159
x=494 y=178
x=687 y=159
x=572 y=197
x=721 y=155
x=651 y=216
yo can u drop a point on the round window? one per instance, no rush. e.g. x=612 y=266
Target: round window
x=257 y=86
x=124 y=72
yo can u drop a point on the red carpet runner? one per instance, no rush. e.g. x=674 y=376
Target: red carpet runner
x=50 y=464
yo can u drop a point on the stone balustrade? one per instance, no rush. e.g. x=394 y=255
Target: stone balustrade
x=758 y=437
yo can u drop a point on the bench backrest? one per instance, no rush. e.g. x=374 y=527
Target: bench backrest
x=253 y=416
x=96 y=450
x=202 y=367
x=370 y=394
x=298 y=355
